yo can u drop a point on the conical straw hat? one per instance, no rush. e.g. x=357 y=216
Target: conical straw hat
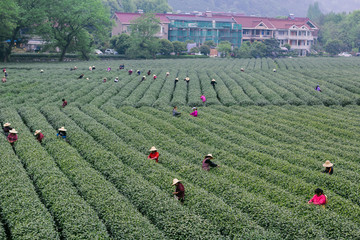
x=175 y=181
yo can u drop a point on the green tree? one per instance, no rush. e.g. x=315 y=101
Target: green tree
x=144 y=44
x=272 y=47
x=121 y=42
x=258 y=49
x=225 y=48
x=179 y=47
x=119 y=5
x=288 y=46
x=8 y=16
x=194 y=50
x=333 y=47
x=244 y=50
x=20 y=15
x=166 y=47
x=64 y=28
x=210 y=43
x=314 y=12
x=153 y=6
x=189 y=41
x=205 y=49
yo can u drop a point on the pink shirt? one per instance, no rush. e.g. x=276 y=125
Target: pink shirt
x=318 y=200
x=194 y=113
x=203 y=98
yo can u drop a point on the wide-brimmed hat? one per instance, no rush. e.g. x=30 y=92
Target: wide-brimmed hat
x=213 y=80
x=62 y=129
x=176 y=78
x=41 y=70
x=194 y=108
x=13 y=131
x=209 y=155
x=175 y=181
x=7 y=124
x=37 y=132
x=153 y=148
x=87 y=78
x=328 y=164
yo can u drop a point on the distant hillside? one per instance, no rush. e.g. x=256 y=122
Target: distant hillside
x=271 y=8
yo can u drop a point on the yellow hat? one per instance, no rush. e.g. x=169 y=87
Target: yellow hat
x=153 y=149
x=7 y=124
x=13 y=131
x=62 y=129
x=175 y=181
x=328 y=164
x=37 y=132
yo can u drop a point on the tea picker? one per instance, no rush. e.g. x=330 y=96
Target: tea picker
x=207 y=163
x=179 y=193
x=62 y=133
x=154 y=154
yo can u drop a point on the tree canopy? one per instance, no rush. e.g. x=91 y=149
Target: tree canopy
x=17 y=16
x=73 y=28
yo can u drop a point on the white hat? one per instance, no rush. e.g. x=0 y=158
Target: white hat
x=41 y=70
x=62 y=129
x=13 y=131
x=175 y=181
x=153 y=148
x=87 y=78
x=37 y=132
x=213 y=80
x=328 y=164
x=7 y=124
x=209 y=155
x=193 y=108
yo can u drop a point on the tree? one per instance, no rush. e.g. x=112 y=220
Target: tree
x=144 y=44
x=64 y=28
x=189 y=41
x=224 y=47
x=333 y=47
x=166 y=47
x=314 y=12
x=205 y=49
x=258 y=50
x=121 y=42
x=179 y=47
x=17 y=16
x=153 y=6
x=8 y=16
x=210 y=43
x=272 y=47
x=194 y=50
x=288 y=46
x=120 y=6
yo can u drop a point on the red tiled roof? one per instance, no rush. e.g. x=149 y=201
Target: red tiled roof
x=272 y=23
x=252 y=22
x=125 y=18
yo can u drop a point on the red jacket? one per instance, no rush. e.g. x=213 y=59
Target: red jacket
x=39 y=137
x=12 y=137
x=154 y=156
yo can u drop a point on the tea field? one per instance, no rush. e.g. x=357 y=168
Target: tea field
x=269 y=131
